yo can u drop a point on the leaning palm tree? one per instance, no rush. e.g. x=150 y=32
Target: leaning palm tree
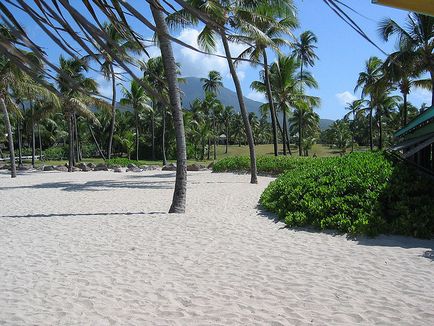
x=416 y=38
x=137 y=99
x=257 y=52
x=304 y=50
x=213 y=83
x=171 y=70
x=368 y=81
x=121 y=41
x=231 y=16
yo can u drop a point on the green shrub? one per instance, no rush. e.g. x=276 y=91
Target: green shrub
x=360 y=193
x=264 y=164
x=56 y=153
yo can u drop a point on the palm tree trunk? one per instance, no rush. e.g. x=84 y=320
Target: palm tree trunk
x=215 y=138
x=432 y=87
x=33 y=135
x=113 y=119
x=71 y=142
x=247 y=127
x=40 y=142
x=96 y=142
x=300 y=115
x=353 y=131
x=137 y=135
x=288 y=137
x=270 y=103
x=77 y=140
x=10 y=138
x=405 y=113
x=380 y=140
x=163 y=137
x=153 y=130
x=209 y=148
x=284 y=131
x=371 y=144
x=227 y=138
x=180 y=193
x=19 y=140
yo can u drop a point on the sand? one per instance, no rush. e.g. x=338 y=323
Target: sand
x=97 y=248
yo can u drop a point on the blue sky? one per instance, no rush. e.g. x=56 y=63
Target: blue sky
x=342 y=52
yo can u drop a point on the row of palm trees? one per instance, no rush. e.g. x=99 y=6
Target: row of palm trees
x=380 y=110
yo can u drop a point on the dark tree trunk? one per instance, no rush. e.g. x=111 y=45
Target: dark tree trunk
x=209 y=148
x=371 y=144
x=33 y=134
x=71 y=142
x=432 y=87
x=405 y=113
x=137 y=136
x=288 y=138
x=300 y=116
x=180 y=193
x=96 y=142
x=153 y=130
x=40 y=142
x=270 y=103
x=10 y=138
x=77 y=140
x=284 y=132
x=215 y=139
x=247 y=127
x=227 y=138
x=19 y=141
x=113 y=119
x=380 y=139
x=163 y=137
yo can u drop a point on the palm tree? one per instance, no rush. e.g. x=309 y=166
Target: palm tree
x=75 y=99
x=171 y=70
x=416 y=39
x=304 y=50
x=120 y=41
x=138 y=100
x=354 y=108
x=213 y=83
x=235 y=16
x=304 y=118
x=368 y=81
x=257 y=52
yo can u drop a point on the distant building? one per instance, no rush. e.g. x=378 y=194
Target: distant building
x=415 y=141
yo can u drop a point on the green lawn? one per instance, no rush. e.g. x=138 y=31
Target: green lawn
x=233 y=150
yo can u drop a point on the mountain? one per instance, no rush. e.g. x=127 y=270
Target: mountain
x=192 y=89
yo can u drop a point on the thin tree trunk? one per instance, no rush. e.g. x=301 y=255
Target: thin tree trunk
x=77 y=140
x=71 y=142
x=371 y=144
x=247 y=127
x=209 y=148
x=300 y=115
x=10 y=138
x=163 y=138
x=19 y=140
x=284 y=132
x=113 y=119
x=215 y=146
x=137 y=136
x=180 y=193
x=432 y=87
x=33 y=134
x=96 y=142
x=288 y=137
x=405 y=113
x=353 y=131
x=227 y=138
x=40 y=142
x=270 y=103
x=153 y=130
x=380 y=140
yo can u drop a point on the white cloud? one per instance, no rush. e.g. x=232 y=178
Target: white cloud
x=422 y=95
x=256 y=96
x=345 y=98
x=197 y=64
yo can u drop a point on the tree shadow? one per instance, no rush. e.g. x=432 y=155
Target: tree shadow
x=101 y=185
x=82 y=214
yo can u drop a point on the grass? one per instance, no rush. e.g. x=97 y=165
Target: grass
x=233 y=150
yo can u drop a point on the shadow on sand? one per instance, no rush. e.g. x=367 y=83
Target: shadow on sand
x=381 y=240
x=98 y=185
x=82 y=214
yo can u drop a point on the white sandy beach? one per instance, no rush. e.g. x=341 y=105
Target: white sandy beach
x=97 y=248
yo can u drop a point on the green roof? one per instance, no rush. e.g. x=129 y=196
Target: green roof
x=427 y=117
